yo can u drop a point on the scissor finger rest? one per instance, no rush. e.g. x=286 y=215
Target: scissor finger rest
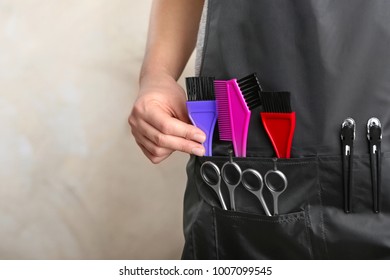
x=276 y=182
x=231 y=175
x=253 y=182
x=211 y=175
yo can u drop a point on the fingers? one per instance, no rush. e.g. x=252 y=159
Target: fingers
x=170 y=137
x=158 y=134
x=152 y=148
x=174 y=127
x=155 y=158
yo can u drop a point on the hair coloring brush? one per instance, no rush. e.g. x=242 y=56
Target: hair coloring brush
x=279 y=121
x=201 y=106
x=235 y=100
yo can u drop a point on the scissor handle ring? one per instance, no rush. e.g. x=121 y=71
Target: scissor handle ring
x=256 y=174
x=273 y=188
x=206 y=178
x=226 y=176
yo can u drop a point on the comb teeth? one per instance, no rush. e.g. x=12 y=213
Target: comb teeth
x=224 y=125
x=250 y=88
x=200 y=88
x=276 y=102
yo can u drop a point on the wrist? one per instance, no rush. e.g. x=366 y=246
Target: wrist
x=155 y=75
x=160 y=84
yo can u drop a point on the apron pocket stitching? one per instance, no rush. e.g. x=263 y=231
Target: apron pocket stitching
x=308 y=231
x=322 y=221
x=283 y=218
x=215 y=233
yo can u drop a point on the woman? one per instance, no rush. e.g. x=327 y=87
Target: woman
x=333 y=56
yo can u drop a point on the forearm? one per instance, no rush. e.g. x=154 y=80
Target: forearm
x=172 y=37
x=159 y=119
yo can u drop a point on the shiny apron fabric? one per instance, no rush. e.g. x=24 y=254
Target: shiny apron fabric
x=334 y=58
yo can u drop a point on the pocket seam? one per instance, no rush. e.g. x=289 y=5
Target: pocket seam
x=212 y=230
x=322 y=218
x=308 y=230
x=215 y=233
x=284 y=218
x=297 y=217
x=264 y=161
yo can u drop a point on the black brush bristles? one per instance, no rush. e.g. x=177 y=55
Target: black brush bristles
x=276 y=102
x=200 y=88
x=250 y=89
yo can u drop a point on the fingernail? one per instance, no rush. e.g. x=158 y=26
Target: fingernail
x=198 y=152
x=199 y=138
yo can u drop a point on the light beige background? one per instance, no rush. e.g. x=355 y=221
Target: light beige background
x=73 y=183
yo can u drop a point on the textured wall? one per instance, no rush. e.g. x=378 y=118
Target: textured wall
x=73 y=184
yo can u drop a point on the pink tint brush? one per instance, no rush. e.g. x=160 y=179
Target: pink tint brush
x=235 y=100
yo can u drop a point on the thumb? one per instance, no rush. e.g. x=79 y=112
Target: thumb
x=181 y=112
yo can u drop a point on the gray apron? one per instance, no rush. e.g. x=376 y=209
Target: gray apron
x=334 y=58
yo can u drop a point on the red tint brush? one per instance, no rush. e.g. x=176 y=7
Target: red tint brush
x=279 y=121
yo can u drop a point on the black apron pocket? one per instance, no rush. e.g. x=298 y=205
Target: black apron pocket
x=248 y=233
x=249 y=236
x=302 y=184
x=361 y=234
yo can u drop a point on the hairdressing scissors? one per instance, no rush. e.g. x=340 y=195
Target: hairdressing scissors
x=230 y=173
x=253 y=182
x=211 y=175
x=276 y=182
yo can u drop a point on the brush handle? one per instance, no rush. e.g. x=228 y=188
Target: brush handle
x=280 y=129
x=203 y=114
x=240 y=117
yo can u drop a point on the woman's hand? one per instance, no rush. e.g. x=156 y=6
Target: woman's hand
x=159 y=120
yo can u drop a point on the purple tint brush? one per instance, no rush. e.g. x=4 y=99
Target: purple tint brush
x=235 y=100
x=201 y=106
